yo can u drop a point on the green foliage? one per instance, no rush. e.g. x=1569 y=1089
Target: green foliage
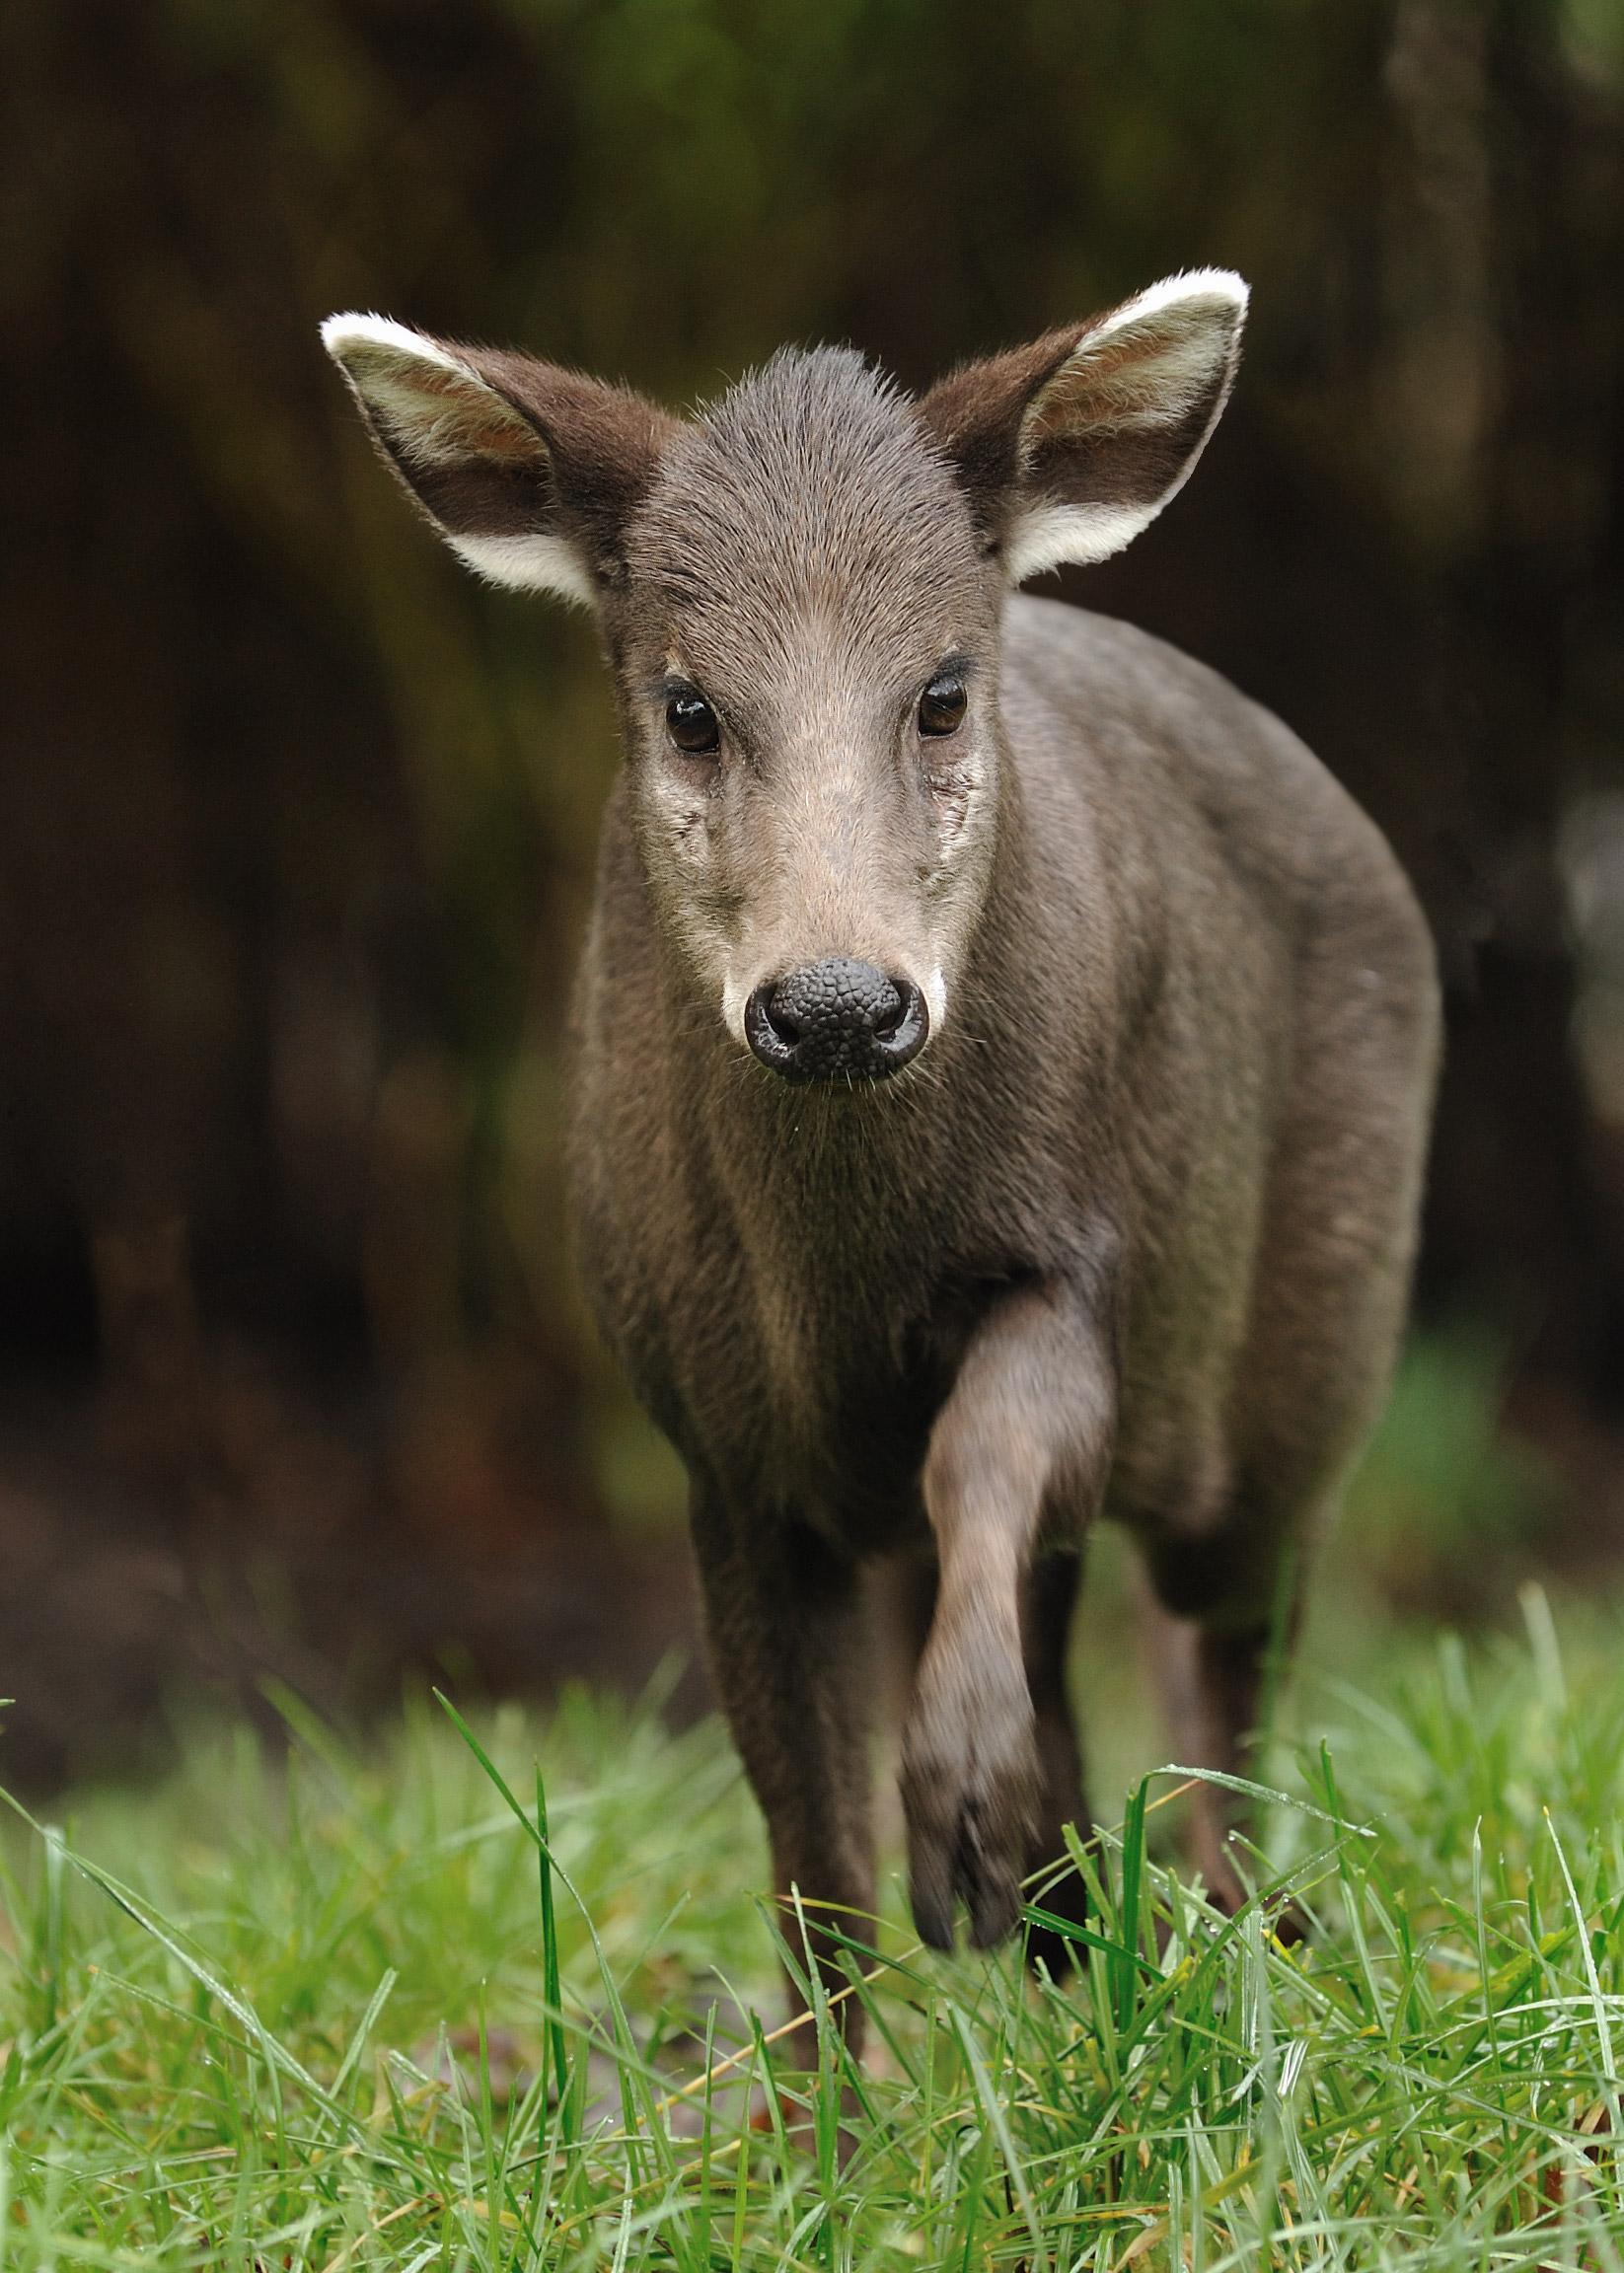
x=1446 y=1501
x=326 y=2013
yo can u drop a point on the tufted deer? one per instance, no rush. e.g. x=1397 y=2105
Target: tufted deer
x=1004 y=1054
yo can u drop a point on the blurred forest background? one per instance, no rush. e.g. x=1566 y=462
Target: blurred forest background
x=297 y=825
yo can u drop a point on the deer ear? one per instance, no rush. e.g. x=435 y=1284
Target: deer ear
x=530 y=472
x=1071 y=446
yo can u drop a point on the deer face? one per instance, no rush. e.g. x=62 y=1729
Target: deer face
x=802 y=591
x=807 y=661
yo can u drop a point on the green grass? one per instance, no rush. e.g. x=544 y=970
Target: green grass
x=315 y=2013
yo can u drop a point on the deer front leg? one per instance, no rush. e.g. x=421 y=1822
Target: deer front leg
x=789 y=1654
x=1021 y=1449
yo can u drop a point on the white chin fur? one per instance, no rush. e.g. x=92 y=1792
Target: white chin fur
x=936 y=1001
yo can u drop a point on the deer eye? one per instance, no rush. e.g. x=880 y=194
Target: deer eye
x=692 y=725
x=942 y=705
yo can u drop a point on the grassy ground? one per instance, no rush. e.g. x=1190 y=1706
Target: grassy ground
x=343 y=2010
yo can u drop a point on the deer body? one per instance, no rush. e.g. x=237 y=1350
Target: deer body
x=1004 y=1054
x=791 y=1277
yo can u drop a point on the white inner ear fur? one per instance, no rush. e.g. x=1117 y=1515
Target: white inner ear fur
x=528 y=565
x=436 y=409
x=1138 y=368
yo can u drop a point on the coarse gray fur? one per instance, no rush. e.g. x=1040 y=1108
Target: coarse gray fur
x=1132 y=1237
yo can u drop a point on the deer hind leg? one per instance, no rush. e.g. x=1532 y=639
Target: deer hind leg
x=1222 y=1605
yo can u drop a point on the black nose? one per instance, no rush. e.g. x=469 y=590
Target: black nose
x=835 y=1017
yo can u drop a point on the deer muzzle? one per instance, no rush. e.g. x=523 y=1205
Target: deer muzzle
x=837 y=1018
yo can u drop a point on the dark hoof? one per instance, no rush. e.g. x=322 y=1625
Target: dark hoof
x=971 y=1793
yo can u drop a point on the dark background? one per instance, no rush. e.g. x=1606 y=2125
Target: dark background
x=296 y=823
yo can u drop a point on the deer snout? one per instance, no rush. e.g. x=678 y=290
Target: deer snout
x=835 y=1017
